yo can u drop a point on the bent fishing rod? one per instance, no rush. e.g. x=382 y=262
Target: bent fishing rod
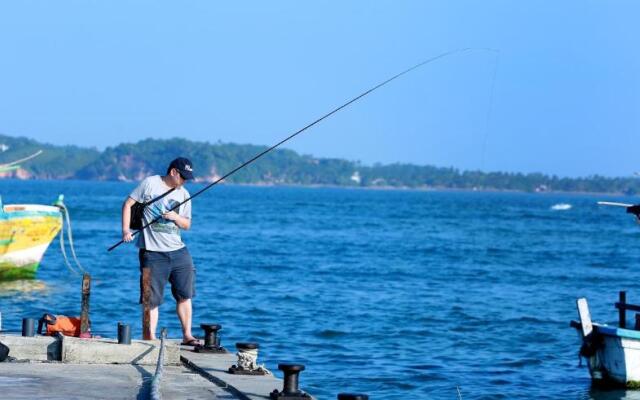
x=327 y=115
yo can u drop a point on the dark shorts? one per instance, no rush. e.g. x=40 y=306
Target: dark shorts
x=175 y=267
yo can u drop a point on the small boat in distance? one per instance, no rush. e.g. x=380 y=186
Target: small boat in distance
x=26 y=230
x=561 y=207
x=612 y=353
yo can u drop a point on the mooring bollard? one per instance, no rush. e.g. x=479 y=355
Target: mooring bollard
x=124 y=333
x=211 y=339
x=28 y=327
x=352 y=396
x=247 y=360
x=4 y=352
x=290 y=389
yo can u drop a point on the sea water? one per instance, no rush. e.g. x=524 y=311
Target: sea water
x=400 y=294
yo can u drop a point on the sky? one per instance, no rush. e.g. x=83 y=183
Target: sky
x=560 y=95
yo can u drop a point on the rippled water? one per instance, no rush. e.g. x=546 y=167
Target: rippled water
x=398 y=294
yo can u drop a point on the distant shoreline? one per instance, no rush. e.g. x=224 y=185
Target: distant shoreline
x=373 y=188
x=135 y=161
x=434 y=189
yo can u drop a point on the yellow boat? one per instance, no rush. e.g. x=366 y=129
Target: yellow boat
x=26 y=230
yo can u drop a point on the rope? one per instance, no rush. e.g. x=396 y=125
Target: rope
x=247 y=359
x=64 y=254
x=70 y=235
x=157 y=377
x=67 y=218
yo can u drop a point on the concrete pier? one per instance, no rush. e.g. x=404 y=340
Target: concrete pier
x=215 y=366
x=34 y=380
x=73 y=368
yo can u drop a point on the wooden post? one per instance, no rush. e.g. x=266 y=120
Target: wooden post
x=585 y=317
x=622 y=317
x=85 y=324
x=146 y=297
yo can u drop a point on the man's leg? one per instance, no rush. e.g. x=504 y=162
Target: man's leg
x=150 y=322
x=182 y=280
x=145 y=294
x=183 y=309
x=154 y=275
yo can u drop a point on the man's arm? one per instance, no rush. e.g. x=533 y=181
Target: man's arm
x=182 y=222
x=126 y=219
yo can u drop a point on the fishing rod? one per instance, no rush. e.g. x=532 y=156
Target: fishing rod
x=327 y=115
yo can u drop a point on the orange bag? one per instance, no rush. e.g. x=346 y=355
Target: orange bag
x=68 y=326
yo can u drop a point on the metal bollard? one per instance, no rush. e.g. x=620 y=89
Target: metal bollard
x=290 y=389
x=4 y=352
x=124 y=333
x=28 y=327
x=211 y=340
x=352 y=396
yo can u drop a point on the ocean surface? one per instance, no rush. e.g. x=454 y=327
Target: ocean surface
x=395 y=293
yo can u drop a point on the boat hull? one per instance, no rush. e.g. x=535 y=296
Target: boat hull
x=25 y=234
x=616 y=361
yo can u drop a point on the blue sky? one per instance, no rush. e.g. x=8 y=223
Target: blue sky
x=565 y=99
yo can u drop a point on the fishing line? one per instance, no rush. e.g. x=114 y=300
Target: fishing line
x=483 y=233
x=490 y=110
x=406 y=71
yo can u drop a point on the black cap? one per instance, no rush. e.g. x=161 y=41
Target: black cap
x=184 y=167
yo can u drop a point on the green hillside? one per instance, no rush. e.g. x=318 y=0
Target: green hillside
x=55 y=162
x=134 y=161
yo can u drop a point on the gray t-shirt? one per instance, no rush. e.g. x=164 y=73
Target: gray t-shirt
x=163 y=235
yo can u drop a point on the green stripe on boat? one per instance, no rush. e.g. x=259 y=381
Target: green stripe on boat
x=25 y=272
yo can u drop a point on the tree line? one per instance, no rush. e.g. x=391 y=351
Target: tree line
x=134 y=161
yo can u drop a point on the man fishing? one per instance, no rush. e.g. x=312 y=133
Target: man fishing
x=129 y=237
x=163 y=256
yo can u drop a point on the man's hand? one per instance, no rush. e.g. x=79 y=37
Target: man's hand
x=171 y=215
x=127 y=236
x=181 y=222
